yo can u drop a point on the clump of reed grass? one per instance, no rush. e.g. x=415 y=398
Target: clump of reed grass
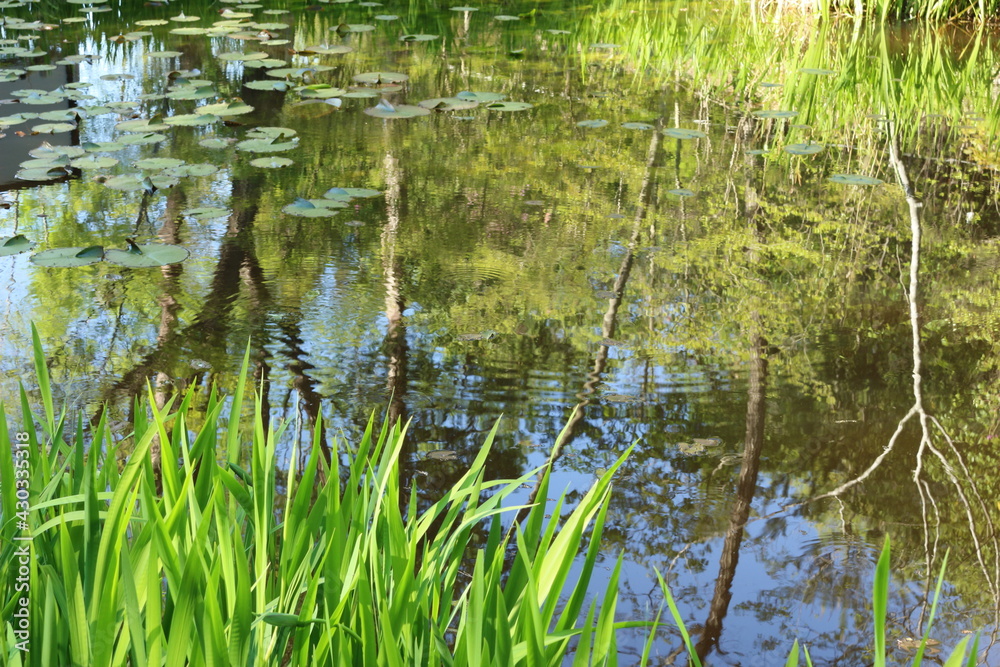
x=343 y=569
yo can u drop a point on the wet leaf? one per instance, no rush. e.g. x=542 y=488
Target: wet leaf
x=216 y=142
x=378 y=78
x=147 y=255
x=448 y=104
x=226 y=109
x=13 y=245
x=481 y=97
x=53 y=128
x=509 y=106
x=206 y=212
x=346 y=194
x=774 y=114
x=417 y=38
x=638 y=126
x=681 y=133
x=192 y=119
x=803 y=149
x=93 y=162
x=68 y=257
x=385 y=110
x=592 y=123
x=681 y=192
x=273 y=162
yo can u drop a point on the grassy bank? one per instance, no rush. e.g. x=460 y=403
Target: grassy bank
x=216 y=558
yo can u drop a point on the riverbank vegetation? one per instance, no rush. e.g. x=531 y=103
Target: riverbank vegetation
x=180 y=547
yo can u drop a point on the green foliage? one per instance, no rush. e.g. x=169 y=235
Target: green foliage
x=224 y=565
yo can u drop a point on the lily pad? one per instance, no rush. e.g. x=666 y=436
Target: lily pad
x=126 y=183
x=417 y=38
x=158 y=163
x=592 y=123
x=216 y=142
x=13 y=245
x=297 y=72
x=465 y=9
x=147 y=255
x=280 y=86
x=321 y=92
x=306 y=208
x=681 y=133
x=509 y=106
x=346 y=194
x=803 y=149
x=272 y=162
x=448 y=104
x=481 y=97
x=506 y=17
x=141 y=139
x=142 y=125
x=266 y=145
x=385 y=17
x=225 y=109
x=206 y=212
x=53 y=128
x=855 y=179
x=68 y=257
x=164 y=54
x=770 y=114
x=93 y=162
x=681 y=192
x=336 y=49
x=385 y=110
x=638 y=126
x=42 y=174
x=378 y=78
x=237 y=56
x=184 y=170
x=192 y=119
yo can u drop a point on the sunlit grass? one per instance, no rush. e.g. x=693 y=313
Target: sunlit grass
x=342 y=568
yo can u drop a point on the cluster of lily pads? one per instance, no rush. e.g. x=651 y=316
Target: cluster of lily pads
x=136 y=256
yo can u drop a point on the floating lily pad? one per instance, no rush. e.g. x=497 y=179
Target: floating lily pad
x=13 y=245
x=191 y=92
x=181 y=18
x=146 y=256
x=346 y=194
x=206 y=212
x=465 y=9
x=769 y=114
x=192 y=119
x=347 y=28
x=768 y=84
x=272 y=162
x=237 y=56
x=268 y=132
x=141 y=139
x=681 y=133
x=509 y=106
x=322 y=92
x=855 y=179
x=164 y=54
x=485 y=335
x=62 y=115
x=385 y=17
x=417 y=38
x=42 y=174
x=297 y=72
x=53 y=128
x=378 y=78
x=481 y=97
x=803 y=149
x=592 y=123
x=280 y=86
x=68 y=257
x=681 y=192
x=818 y=71
x=142 y=125
x=336 y=49
x=758 y=151
x=200 y=169
x=448 y=104
x=638 y=126
x=385 y=110
x=266 y=145
x=126 y=183
x=158 y=163
x=216 y=142
x=556 y=31
x=93 y=162
x=225 y=109
x=305 y=208
x=506 y=17
x=361 y=94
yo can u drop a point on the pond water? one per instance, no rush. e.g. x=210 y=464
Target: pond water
x=594 y=230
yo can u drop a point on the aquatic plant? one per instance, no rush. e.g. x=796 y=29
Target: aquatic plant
x=178 y=547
